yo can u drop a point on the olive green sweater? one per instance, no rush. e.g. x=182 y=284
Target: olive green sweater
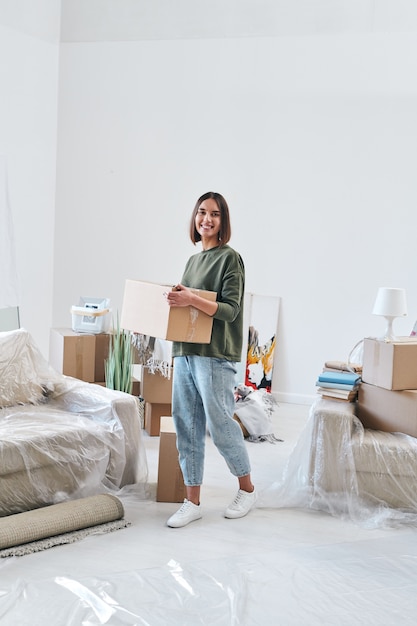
x=221 y=270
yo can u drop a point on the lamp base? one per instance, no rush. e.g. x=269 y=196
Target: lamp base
x=389 y=333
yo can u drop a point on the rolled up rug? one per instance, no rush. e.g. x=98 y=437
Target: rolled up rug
x=58 y=520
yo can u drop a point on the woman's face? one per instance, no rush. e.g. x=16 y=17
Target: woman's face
x=208 y=222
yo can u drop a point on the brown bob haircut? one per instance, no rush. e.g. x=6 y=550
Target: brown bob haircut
x=225 y=228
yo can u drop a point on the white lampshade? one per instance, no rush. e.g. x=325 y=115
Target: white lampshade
x=390 y=303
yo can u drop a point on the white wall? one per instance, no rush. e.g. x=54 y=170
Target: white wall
x=303 y=114
x=311 y=139
x=29 y=53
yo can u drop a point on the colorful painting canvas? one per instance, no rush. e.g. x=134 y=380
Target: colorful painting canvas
x=261 y=322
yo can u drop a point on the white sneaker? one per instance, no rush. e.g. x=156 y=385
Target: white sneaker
x=188 y=512
x=242 y=504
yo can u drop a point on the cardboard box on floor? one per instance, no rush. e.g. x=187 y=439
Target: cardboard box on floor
x=170 y=487
x=155 y=388
x=392 y=365
x=145 y=310
x=153 y=413
x=384 y=409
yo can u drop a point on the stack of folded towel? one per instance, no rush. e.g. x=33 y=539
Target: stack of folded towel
x=339 y=381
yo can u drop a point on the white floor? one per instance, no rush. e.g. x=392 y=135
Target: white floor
x=273 y=567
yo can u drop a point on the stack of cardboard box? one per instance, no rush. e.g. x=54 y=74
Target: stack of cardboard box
x=387 y=398
x=156 y=390
x=145 y=310
x=170 y=487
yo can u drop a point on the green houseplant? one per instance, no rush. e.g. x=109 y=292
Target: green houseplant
x=118 y=365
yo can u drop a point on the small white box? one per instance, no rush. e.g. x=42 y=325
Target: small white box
x=92 y=315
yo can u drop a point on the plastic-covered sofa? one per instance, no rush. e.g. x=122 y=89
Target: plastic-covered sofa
x=347 y=458
x=340 y=467
x=61 y=438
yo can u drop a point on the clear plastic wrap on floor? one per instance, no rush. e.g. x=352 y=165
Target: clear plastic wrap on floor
x=340 y=467
x=299 y=585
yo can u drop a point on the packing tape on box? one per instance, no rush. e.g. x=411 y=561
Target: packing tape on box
x=81 y=310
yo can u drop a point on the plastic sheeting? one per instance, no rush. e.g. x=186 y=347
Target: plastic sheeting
x=275 y=566
x=61 y=438
x=317 y=585
x=339 y=467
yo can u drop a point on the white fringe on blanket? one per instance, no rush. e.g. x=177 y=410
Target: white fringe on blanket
x=155 y=354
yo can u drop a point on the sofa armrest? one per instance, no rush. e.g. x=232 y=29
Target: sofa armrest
x=361 y=472
x=313 y=476
x=119 y=411
x=333 y=425
x=127 y=409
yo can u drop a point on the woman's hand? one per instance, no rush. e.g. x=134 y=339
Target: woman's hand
x=183 y=296
x=180 y=296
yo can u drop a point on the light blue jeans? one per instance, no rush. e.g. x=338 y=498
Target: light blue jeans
x=203 y=398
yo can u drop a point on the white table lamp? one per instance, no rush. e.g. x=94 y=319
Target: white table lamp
x=390 y=303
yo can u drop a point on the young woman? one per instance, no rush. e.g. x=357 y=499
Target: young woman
x=204 y=374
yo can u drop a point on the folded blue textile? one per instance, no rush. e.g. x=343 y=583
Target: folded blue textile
x=339 y=377
x=327 y=385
